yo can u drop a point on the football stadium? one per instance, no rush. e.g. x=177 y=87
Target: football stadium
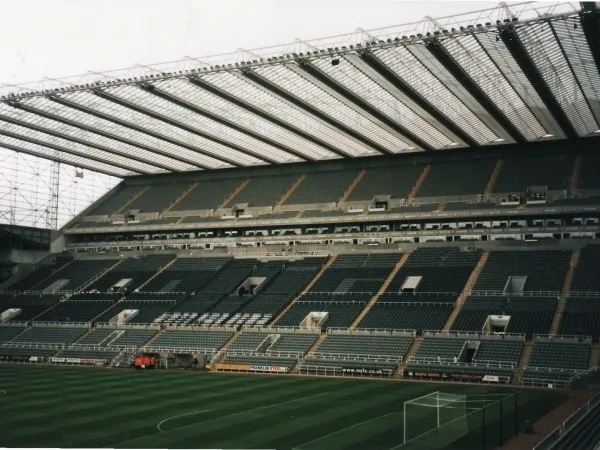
x=387 y=239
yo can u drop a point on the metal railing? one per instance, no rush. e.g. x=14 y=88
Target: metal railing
x=452 y=362
x=354 y=356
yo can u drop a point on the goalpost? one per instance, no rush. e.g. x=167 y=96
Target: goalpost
x=433 y=411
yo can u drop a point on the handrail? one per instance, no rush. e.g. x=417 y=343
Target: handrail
x=354 y=356
x=567 y=425
x=450 y=362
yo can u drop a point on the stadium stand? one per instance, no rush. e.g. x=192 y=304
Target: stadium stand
x=38 y=275
x=322 y=187
x=365 y=346
x=518 y=174
x=264 y=191
x=196 y=340
x=157 y=197
x=74 y=311
x=557 y=359
x=185 y=275
x=113 y=203
x=135 y=270
x=49 y=335
x=396 y=181
x=74 y=275
x=442 y=179
x=208 y=195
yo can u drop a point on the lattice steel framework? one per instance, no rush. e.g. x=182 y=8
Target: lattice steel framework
x=514 y=73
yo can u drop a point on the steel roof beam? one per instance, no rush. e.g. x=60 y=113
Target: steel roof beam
x=437 y=50
x=105 y=134
x=152 y=89
x=447 y=125
x=140 y=109
x=132 y=126
x=311 y=110
x=519 y=53
x=590 y=22
x=264 y=115
x=333 y=88
x=83 y=142
x=70 y=152
x=25 y=151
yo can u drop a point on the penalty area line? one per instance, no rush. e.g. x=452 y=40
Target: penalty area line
x=181 y=415
x=342 y=430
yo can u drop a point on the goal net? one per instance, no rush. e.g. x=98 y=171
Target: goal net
x=435 y=410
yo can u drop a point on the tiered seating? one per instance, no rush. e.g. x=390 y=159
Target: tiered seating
x=74 y=311
x=137 y=269
x=559 y=359
x=444 y=269
x=148 y=310
x=50 y=335
x=588 y=174
x=499 y=350
x=293 y=343
x=131 y=338
x=200 y=219
x=337 y=366
x=545 y=270
x=356 y=273
x=208 y=194
x=330 y=213
x=416 y=208
x=265 y=191
x=191 y=339
x=21 y=351
x=248 y=341
x=31 y=305
x=7 y=333
x=115 y=201
x=288 y=363
x=158 y=197
x=406 y=316
x=96 y=337
x=322 y=187
x=224 y=282
x=163 y=221
x=432 y=349
x=341 y=313
x=43 y=271
x=529 y=315
x=396 y=181
x=340 y=346
x=442 y=179
x=518 y=174
x=77 y=273
x=185 y=275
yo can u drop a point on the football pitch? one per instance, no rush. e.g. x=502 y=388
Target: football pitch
x=75 y=407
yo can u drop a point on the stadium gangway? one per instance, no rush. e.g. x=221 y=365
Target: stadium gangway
x=452 y=362
x=355 y=357
x=13 y=324
x=497 y=293
x=584 y=294
x=154 y=349
x=469 y=334
x=242 y=352
x=574 y=418
x=35 y=345
x=62 y=324
x=373 y=331
x=563 y=338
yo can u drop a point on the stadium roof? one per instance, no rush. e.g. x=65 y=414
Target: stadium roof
x=511 y=74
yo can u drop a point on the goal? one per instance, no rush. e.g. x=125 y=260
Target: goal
x=435 y=410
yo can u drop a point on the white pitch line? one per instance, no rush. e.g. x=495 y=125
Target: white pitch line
x=222 y=417
x=181 y=415
x=342 y=430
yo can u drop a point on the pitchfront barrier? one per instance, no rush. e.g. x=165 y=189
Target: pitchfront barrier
x=250 y=368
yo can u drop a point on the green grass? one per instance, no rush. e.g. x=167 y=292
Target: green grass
x=76 y=407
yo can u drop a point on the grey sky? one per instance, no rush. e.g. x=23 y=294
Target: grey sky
x=43 y=38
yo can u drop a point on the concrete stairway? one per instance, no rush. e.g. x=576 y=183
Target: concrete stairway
x=124 y=206
x=161 y=270
x=409 y=354
x=574 y=182
x=235 y=193
x=381 y=290
x=153 y=338
x=181 y=197
x=32 y=288
x=419 y=182
x=440 y=207
x=100 y=275
x=317 y=343
x=352 y=186
x=493 y=177
x=306 y=289
x=564 y=293
x=290 y=191
x=594 y=356
x=460 y=301
x=523 y=362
